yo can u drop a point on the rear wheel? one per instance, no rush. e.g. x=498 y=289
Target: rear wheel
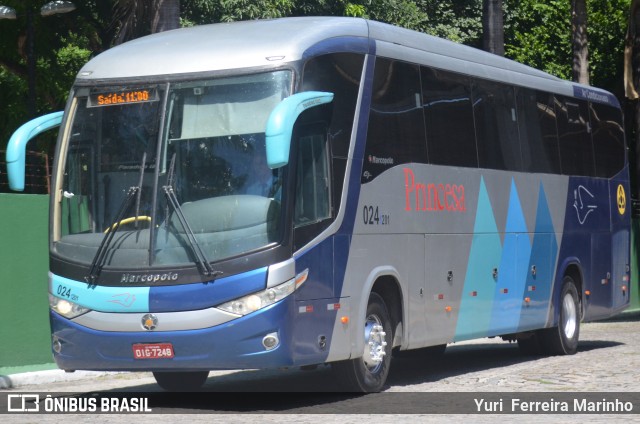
x=181 y=381
x=563 y=339
x=369 y=373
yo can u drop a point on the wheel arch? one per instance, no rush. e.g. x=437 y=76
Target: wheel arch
x=388 y=287
x=571 y=267
x=385 y=281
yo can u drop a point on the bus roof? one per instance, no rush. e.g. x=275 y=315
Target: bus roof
x=270 y=43
x=220 y=46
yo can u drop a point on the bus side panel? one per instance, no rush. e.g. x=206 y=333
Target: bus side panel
x=491 y=248
x=392 y=258
x=514 y=268
x=446 y=261
x=586 y=224
x=620 y=200
x=598 y=291
x=476 y=303
x=316 y=305
x=538 y=285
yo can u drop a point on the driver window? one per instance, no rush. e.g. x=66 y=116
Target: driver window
x=312 y=203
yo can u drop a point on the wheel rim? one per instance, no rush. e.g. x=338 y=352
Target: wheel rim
x=375 y=344
x=569 y=316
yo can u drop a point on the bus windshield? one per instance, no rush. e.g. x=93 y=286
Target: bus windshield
x=170 y=175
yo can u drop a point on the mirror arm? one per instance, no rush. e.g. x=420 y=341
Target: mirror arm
x=17 y=146
x=280 y=124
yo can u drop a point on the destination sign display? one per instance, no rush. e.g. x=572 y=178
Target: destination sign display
x=122 y=97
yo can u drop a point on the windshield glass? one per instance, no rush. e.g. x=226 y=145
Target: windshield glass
x=172 y=171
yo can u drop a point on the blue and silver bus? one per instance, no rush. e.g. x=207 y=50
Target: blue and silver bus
x=307 y=191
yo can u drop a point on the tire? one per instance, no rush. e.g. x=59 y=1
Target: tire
x=563 y=339
x=181 y=381
x=369 y=372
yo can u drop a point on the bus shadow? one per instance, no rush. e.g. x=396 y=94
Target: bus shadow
x=462 y=359
x=631 y=316
x=311 y=390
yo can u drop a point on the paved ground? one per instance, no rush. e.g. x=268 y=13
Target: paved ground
x=608 y=360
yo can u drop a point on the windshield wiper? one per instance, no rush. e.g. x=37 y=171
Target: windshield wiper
x=172 y=199
x=101 y=253
x=199 y=256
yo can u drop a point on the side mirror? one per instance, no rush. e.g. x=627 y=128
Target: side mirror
x=281 y=121
x=17 y=146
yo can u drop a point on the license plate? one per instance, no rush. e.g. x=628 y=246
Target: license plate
x=153 y=351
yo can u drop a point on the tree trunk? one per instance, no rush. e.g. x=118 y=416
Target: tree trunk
x=166 y=15
x=579 y=41
x=493 y=26
x=632 y=83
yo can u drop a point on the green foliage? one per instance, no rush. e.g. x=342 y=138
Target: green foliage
x=355 y=10
x=455 y=20
x=537 y=32
x=606 y=30
x=539 y=35
x=199 y=12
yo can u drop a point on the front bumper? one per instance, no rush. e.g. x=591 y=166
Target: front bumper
x=236 y=344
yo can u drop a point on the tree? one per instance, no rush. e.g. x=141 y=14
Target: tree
x=166 y=16
x=579 y=41
x=136 y=18
x=632 y=86
x=493 y=27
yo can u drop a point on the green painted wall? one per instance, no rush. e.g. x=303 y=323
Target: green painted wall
x=24 y=304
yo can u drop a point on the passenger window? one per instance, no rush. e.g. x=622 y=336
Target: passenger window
x=446 y=99
x=494 y=111
x=608 y=139
x=538 y=132
x=574 y=136
x=396 y=125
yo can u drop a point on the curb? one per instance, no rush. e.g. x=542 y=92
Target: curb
x=15 y=381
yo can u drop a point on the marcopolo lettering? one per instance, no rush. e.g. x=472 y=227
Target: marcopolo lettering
x=432 y=197
x=148 y=278
x=380 y=161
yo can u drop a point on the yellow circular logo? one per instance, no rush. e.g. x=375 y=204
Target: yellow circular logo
x=622 y=200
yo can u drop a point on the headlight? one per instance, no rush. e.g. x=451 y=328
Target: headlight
x=66 y=308
x=251 y=303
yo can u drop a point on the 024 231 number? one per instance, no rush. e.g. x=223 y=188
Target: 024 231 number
x=371 y=216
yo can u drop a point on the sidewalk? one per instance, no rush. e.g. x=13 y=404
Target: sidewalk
x=15 y=381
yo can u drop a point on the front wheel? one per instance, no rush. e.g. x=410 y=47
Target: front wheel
x=181 y=381
x=563 y=339
x=369 y=372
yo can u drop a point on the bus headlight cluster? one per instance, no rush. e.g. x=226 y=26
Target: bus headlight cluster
x=66 y=308
x=253 y=302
